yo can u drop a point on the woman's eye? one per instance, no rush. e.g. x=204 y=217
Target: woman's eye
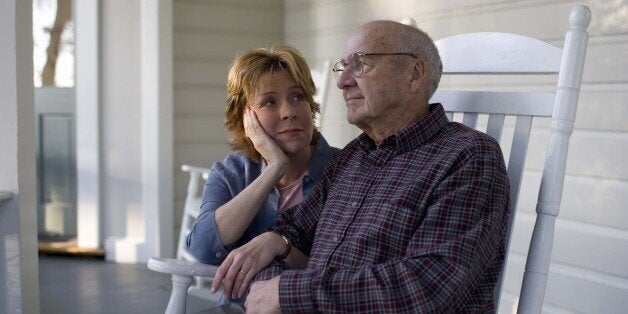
x=267 y=103
x=298 y=97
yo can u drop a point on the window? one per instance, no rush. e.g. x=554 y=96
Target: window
x=53 y=43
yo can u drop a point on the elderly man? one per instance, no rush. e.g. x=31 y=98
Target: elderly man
x=409 y=217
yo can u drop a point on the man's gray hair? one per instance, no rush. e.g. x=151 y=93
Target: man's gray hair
x=414 y=40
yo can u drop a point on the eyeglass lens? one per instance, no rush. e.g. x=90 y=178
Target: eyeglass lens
x=354 y=63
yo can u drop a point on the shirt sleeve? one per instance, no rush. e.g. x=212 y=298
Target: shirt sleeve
x=203 y=241
x=460 y=240
x=273 y=270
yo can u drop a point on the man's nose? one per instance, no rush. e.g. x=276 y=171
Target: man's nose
x=345 y=79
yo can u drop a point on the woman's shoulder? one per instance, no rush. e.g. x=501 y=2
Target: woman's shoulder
x=236 y=163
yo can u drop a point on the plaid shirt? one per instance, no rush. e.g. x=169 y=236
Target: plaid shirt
x=415 y=225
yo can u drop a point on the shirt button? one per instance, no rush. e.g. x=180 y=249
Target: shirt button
x=336 y=239
x=218 y=254
x=307 y=179
x=354 y=204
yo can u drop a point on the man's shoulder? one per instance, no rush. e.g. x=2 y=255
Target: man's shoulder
x=349 y=149
x=461 y=142
x=465 y=137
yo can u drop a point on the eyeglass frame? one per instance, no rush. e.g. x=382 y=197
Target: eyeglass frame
x=345 y=63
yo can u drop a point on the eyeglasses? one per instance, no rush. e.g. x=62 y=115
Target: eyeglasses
x=356 y=64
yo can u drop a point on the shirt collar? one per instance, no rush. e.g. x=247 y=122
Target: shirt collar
x=411 y=136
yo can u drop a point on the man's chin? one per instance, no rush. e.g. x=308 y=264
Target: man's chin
x=353 y=118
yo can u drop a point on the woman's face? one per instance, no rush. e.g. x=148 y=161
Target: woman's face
x=283 y=111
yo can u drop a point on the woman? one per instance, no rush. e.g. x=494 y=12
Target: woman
x=280 y=154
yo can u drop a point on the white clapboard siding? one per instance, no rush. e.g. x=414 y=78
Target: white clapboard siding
x=193 y=100
x=596 y=201
x=200 y=128
x=203 y=45
x=202 y=73
x=586 y=275
x=261 y=17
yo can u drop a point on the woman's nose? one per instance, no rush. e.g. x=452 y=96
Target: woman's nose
x=287 y=111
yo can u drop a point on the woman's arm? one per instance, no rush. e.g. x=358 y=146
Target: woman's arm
x=235 y=216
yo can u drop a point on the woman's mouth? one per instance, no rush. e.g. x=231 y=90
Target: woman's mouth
x=290 y=131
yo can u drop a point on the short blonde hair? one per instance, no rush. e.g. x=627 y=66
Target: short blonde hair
x=246 y=71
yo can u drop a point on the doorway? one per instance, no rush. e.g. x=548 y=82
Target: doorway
x=55 y=114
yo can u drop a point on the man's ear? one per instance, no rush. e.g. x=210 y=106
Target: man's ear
x=419 y=74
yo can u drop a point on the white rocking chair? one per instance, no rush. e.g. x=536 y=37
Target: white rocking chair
x=510 y=54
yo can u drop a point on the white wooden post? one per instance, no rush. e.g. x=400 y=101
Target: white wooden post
x=537 y=264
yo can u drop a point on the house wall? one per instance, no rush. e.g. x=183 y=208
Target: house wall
x=588 y=273
x=207 y=35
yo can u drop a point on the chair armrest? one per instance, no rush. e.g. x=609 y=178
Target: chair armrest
x=180 y=267
x=182 y=272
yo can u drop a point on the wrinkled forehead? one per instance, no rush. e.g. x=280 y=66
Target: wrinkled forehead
x=371 y=38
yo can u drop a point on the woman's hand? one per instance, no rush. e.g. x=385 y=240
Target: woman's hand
x=264 y=144
x=243 y=263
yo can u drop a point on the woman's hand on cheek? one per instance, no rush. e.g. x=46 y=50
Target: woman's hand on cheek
x=264 y=144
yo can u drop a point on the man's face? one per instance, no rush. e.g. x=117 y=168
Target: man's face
x=370 y=97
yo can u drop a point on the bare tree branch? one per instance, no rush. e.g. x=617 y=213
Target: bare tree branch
x=64 y=14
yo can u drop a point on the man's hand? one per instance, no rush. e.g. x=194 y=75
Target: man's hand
x=243 y=263
x=264 y=297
